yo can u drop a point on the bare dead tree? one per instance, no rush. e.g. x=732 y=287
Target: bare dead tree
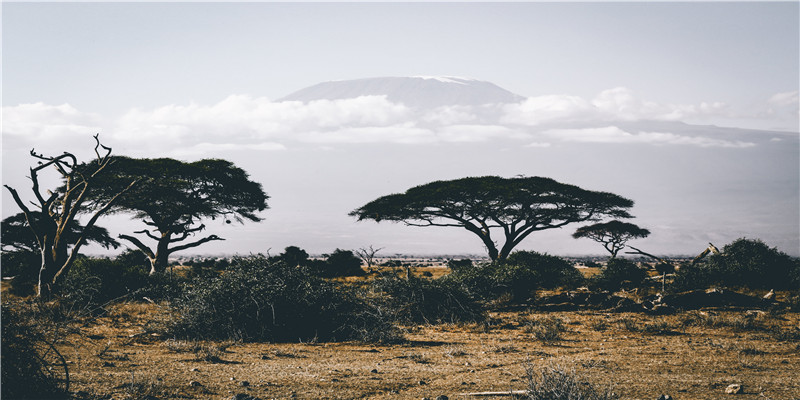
x=368 y=255
x=56 y=212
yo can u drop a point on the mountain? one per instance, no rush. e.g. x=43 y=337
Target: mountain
x=417 y=92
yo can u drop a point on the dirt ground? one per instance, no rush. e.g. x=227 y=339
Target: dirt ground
x=639 y=356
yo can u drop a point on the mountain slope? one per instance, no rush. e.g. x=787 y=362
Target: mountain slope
x=415 y=92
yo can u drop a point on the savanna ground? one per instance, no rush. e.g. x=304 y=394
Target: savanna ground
x=687 y=355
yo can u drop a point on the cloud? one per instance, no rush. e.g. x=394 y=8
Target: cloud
x=617 y=104
x=43 y=122
x=201 y=149
x=784 y=99
x=241 y=122
x=613 y=134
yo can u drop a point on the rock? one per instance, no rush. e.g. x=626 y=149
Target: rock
x=665 y=397
x=244 y=383
x=374 y=371
x=194 y=370
x=195 y=383
x=733 y=389
x=422 y=383
x=769 y=296
x=442 y=397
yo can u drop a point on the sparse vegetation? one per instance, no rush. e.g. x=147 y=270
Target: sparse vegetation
x=546 y=329
x=556 y=382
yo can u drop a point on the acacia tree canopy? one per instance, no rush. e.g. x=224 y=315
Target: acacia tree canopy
x=173 y=197
x=514 y=207
x=613 y=234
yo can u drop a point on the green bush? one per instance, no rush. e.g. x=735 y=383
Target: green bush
x=753 y=264
x=423 y=300
x=92 y=281
x=519 y=276
x=259 y=300
x=550 y=272
x=338 y=263
x=620 y=273
x=742 y=263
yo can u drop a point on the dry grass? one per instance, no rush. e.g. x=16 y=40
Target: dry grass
x=688 y=355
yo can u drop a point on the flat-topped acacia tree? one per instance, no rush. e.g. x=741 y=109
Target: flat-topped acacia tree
x=512 y=207
x=174 y=197
x=613 y=235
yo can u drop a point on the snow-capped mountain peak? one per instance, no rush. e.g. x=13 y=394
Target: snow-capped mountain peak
x=421 y=92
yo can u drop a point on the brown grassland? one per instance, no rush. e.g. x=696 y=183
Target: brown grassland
x=687 y=355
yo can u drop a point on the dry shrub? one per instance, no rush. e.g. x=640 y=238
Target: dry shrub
x=259 y=300
x=556 y=382
x=546 y=329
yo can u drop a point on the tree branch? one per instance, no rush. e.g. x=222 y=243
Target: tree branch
x=136 y=242
x=195 y=244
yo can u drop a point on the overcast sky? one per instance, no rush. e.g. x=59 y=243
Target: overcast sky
x=201 y=80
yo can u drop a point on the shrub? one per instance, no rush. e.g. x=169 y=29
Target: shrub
x=555 y=382
x=518 y=277
x=31 y=369
x=338 y=263
x=422 y=300
x=742 y=263
x=753 y=264
x=550 y=271
x=256 y=299
x=24 y=266
x=548 y=329
x=93 y=281
x=620 y=273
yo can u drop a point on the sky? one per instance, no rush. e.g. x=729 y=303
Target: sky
x=201 y=80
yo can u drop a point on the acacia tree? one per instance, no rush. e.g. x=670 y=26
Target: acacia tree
x=516 y=207
x=613 y=234
x=54 y=219
x=175 y=196
x=368 y=255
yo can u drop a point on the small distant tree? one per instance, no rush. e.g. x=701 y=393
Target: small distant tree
x=54 y=220
x=368 y=255
x=514 y=207
x=339 y=263
x=175 y=196
x=612 y=235
x=292 y=256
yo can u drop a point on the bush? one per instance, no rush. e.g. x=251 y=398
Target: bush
x=93 y=281
x=742 y=263
x=29 y=370
x=338 y=263
x=519 y=276
x=620 y=273
x=259 y=300
x=549 y=272
x=753 y=264
x=554 y=382
x=422 y=300
x=24 y=267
